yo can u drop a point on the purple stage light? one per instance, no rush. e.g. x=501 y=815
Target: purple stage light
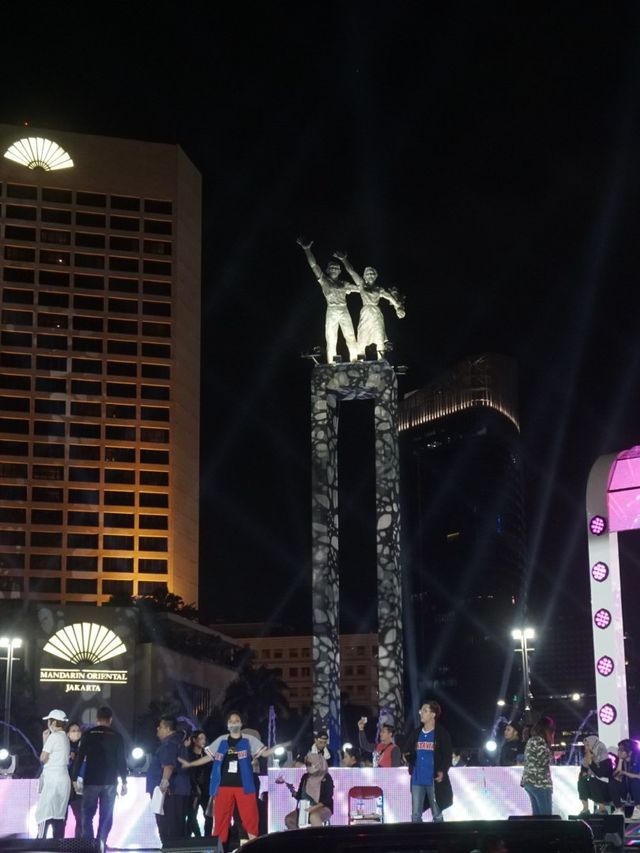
x=600 y=572
x=605 y=665
x=607 y=714
x=602 y=618
x=598 y=525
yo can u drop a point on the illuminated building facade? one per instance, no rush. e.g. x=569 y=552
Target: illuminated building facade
x=99 y=367
x=464 y=540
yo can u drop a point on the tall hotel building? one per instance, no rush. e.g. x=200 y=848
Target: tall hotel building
x=99 y=367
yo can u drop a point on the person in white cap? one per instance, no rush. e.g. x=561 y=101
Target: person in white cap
x=51 y=808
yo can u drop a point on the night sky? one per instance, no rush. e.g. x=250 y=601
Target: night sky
x=485 y=157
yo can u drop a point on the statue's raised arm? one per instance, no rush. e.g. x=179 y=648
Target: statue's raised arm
x=357 y=279
x=335 y=292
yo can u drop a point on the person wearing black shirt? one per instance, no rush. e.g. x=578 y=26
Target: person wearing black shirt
x=166 y=773
x=102 y=749
x=512 y=751
x=200 y=777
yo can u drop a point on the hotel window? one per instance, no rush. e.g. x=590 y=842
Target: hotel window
x=88 y=303
x=91 y=199
x=14 y=425
x=91 y=220
x=17 y=297
x=90 y=261
x=88 y=282
x=156 y=330
x=154 y=457
x=156 y=436
x=22 y=191
x=84 y=451
x=154 y=413
x=153 y=543
x=81 y=586
x=54 y=300
x=157 y=226
x=87 y=324
x=50 y=385
x=53 y=321
x=13 y=493
x=19 y=232
x=156 y=267
x=50 y=407
x=121 y=368
x=124 y=520
x=117 y=587
x=123 y=264
x=153 y=522
x=119 y=475
x=14 y=448
x=51 y=362
x=49 y=257
x=16 y=339
x=49 y=428
x=54 y=342
x=14 y=404
x=86 y=410
x=60 y=238
x=12 y=538
x=124 y=285
x=45 y=562
x=84 y=496
x=49 y=496
x=57 y=195
x=90 y=241
x=119 y=498
x=113 y=410
x=41 y=539
x=19 y=275
x=154 y=478
x=61 y=217
x=121 y=202
x=157 y=247
x=156 y=288
x=117 y=564
x=84 y=386
x=16 y=360
x=48 y=472
x=49 y=450
x=154 y=499
x=14 y=211
x=18 y=515
x=46 y=516
x=75 y=518
x=119 y=454
x=122 y=348
x=50 y=277
x=156 y=350
x=44 y=585
x=121 y=389
x=156 y=371
x=15 y=383
x=84 y=430
x=152 y=205
x=111 y=542
x=124 y=223
x=157 y=309
x=124 y=244
x=12 y=561
x=77 y=563
x=17 y=318
x=19 y=253
x=84 y=475
x=86 y=365
x=277 y=654
x=82 y=540
x=123 y=306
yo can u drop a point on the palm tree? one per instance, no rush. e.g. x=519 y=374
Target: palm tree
x=253 y=692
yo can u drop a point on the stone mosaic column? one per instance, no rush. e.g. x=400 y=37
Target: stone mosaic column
x=330 y=385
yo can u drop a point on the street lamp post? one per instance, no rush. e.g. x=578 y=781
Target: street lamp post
x=10 y=644
x=523 y=635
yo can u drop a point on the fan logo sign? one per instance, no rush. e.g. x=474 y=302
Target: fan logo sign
x=84 y=645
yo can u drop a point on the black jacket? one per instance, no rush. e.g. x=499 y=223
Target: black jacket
x=103 y=750
x=442 y=753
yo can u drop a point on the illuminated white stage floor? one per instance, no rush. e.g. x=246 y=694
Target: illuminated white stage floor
x=480 y=793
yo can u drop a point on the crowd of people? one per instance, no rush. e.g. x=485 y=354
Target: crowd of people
x=186 y=776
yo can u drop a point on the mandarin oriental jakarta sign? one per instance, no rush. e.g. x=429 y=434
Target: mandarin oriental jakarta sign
x=83 y=646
